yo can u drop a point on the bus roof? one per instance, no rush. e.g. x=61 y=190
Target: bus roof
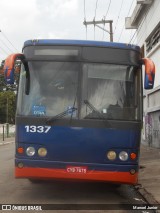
x=51 y=42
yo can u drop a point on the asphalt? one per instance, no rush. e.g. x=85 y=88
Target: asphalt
x=149 y=172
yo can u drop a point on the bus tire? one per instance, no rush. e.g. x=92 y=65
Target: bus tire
x=35 y=181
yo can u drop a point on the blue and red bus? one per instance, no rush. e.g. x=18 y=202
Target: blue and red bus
x=79 y=110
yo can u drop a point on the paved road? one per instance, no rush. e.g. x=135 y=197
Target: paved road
x=22 y=191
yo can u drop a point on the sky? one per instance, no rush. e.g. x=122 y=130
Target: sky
x=22 y=20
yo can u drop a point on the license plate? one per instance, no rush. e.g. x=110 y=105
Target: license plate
x=76 y=169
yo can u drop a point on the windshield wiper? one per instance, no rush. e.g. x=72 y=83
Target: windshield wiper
x=105 y=120
x=61 y=115
x=94 y=109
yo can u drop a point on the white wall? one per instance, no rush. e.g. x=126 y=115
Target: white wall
x=151 y=130
x=150 y=20
x=148 y=23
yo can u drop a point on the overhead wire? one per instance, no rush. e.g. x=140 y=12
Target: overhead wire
x=139 y=28
x=95 y=18
x=132 y=37
x=6 y=45
x=95 y=14
x=118 y=16
x=3 y=50
x=106 y=16
x=108 y=9
x=85 y=17
x=9 y=40
x=124 y=24
x=84 y=9
x=96 y=9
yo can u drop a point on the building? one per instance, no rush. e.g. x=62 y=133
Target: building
x=146 y=19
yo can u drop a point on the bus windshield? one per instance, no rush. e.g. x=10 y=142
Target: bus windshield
x=57 y=86
x=53 y=87
x=112 y=90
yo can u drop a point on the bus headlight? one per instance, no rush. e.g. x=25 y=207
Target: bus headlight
x=42 y=152
x=123 y=156
x=30 y=151
x=111 y=155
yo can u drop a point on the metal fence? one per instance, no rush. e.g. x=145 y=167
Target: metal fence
x=6 y=131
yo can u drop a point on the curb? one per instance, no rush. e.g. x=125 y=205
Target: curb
x=6 y=143
x=147 y=196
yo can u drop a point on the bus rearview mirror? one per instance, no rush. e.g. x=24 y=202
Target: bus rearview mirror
x=9 y=68
x=149 y=73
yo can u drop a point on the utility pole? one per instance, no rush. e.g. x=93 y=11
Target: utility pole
x=95 y=23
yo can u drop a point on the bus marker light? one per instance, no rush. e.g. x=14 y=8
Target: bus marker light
x=20 y=165
x=30 y=151
x=20 y=150
x=111 y=155
x=133 y=156
x=132 y=171
x=42 y=152
x=123 y=156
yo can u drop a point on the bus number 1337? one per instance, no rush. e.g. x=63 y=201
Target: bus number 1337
x=39 y=129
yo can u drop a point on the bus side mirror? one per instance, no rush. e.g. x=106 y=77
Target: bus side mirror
x=9 y=67
x=149 y=73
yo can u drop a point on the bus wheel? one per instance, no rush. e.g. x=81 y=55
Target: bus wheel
x=116 y=185
x=35 y=181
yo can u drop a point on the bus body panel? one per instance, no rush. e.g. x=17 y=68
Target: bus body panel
x=78 y=147
x=78 y=144
x=62 y=174
x=106 y=79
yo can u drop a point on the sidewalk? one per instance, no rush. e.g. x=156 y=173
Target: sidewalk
x=7 y=140
x=149 y=174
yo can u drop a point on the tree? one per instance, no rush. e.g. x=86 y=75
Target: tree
x=7 y=98
x=7 y=107
x=9 y=87
x=2 y=83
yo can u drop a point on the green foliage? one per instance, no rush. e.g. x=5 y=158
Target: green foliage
x=7 y=106
x=2 y=83
x=8 y=87
x=7 y=99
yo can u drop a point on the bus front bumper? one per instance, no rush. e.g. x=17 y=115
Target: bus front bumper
x=110 y=174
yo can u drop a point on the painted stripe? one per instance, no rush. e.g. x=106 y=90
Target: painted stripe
x=91 y=175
